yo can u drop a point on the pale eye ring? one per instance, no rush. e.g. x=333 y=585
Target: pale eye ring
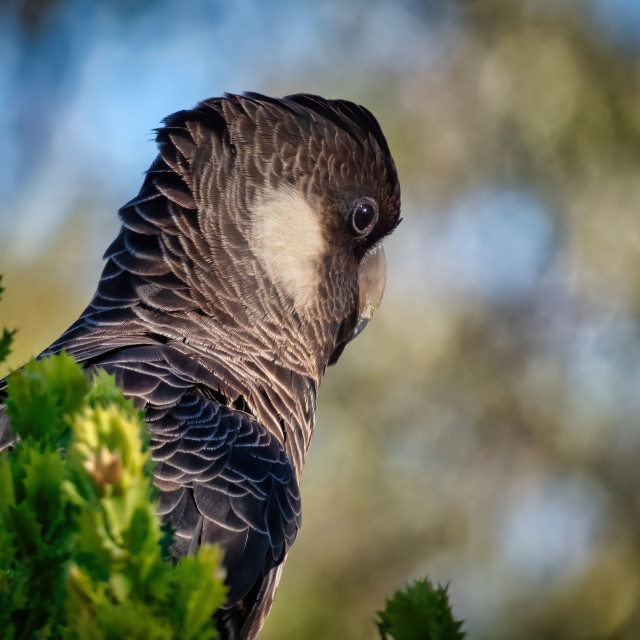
x=364 y=216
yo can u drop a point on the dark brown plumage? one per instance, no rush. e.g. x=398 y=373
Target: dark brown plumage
x=242 y=269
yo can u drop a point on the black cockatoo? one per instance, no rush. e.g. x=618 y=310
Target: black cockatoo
x=250 y=257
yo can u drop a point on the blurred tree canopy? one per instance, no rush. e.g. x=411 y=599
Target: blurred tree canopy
x=484 y=429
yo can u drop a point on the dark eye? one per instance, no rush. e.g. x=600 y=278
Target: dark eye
x=364 y=217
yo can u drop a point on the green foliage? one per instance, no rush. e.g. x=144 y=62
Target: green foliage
x=5 y=343
x=7 y=336
x=419 y=612
x=81 y=547
x=41 y=395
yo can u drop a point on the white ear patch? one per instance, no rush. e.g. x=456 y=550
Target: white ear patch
x=288 y=235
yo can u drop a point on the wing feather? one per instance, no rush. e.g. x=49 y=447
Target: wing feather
x=223 y=477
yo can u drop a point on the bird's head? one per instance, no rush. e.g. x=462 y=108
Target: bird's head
x=276 y=212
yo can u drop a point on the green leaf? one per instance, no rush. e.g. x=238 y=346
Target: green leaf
x=200 y=592
x=420 y=612
x=104 y=393
x=7 y=551
x=28 y=531
x=134 y=620
x=5 y=343
x=137 y=535
x=95 y=551
x=42 y=394
x=43 y=484
x=7 y=495
x=166 y=540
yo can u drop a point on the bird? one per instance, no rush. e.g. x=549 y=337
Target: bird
x=251 y=256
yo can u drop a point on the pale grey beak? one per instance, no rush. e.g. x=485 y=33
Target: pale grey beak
x=372 y=277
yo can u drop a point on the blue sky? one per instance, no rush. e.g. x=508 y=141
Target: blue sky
x=81 y=101
x=85 y=97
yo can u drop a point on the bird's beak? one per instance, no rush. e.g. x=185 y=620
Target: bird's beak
x=372 y=277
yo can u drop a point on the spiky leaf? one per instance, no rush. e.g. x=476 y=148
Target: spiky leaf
x=419 y=612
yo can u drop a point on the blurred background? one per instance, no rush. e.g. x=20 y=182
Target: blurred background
x=485 y=428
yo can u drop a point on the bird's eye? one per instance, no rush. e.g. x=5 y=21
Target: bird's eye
x=364 y=217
